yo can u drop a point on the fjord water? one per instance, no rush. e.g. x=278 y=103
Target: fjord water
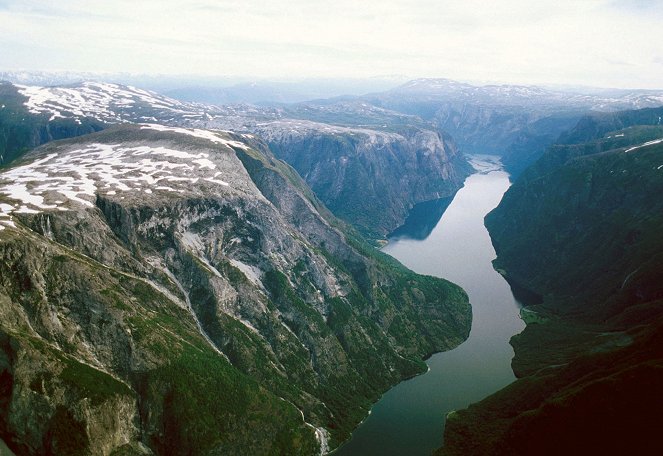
x=409 y=418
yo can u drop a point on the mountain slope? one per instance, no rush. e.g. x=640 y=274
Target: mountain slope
x=167 y=289
x=581 y=228
x=369 y=177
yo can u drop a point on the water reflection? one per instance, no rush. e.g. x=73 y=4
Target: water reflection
x=424 y=217
x=421 y=220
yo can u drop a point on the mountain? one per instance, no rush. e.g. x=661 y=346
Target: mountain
x=514 y=121
x=167 y=290
x=581 y=229
x=374 y=187
x=271 y=92
x=22 y=129
x=524 y=95
x=597 y=125
x=369 y=165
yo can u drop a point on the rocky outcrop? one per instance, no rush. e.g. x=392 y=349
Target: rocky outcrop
x=175 y=290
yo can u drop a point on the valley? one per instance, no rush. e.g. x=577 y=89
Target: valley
x=143 y=264
x=153 y=248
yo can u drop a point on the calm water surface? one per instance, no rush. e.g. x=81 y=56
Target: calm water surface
x=409 y=419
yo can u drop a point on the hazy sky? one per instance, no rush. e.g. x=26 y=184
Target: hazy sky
x=617 y=43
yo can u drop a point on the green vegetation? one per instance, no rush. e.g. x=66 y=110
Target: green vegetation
x=332 y=326
x=92 y=383
x=208 y=405
x=191 y=401
x=599 y=403
x=603 y=210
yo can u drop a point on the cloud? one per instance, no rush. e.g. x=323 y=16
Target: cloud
x=558 y=41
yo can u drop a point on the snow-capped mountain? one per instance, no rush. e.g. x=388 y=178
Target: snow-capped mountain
x=106 y=102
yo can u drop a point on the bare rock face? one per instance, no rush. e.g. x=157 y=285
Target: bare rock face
x=169 y=290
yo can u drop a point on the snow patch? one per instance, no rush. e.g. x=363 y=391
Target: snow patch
x=204 y=134
x=56 y=181
x=101 y=101
x=648 y=143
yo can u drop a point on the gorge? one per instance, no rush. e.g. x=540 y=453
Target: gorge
x=145 y=249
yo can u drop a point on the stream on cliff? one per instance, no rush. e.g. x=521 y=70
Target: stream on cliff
x=409 y=419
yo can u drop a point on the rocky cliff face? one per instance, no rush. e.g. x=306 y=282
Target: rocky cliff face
x=581 y=228
x=175 y=290
x=371 y=178
x=516 y=122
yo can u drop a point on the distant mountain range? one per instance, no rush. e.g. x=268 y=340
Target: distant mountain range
x=216 y=89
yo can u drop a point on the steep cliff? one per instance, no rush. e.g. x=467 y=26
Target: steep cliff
x=369 y=177
x=22 y=130
x=175 y=290
x=514 y=121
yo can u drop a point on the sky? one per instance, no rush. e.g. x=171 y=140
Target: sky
x=602 y=43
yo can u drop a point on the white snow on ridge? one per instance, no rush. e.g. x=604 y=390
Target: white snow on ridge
x=648 y=143
x=102 y=101
x=198 y=133
x=58 y=181
x=279 y=129
x=5 y=215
